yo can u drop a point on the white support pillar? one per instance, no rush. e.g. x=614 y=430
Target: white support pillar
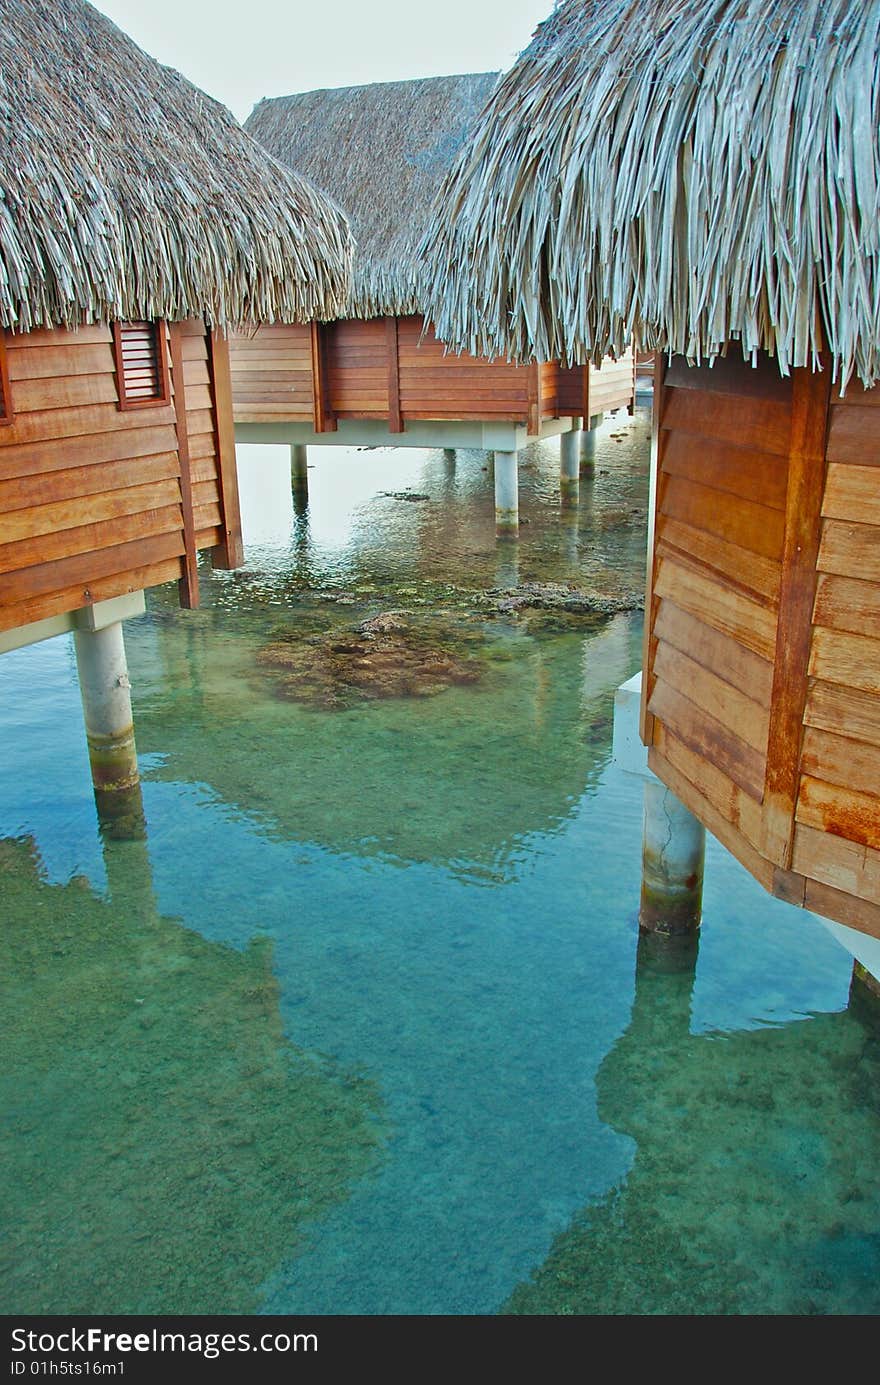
x=506 y=494
x=673 y=852
x=569 y=465
x=673 y=840
x=106 y=698
x=588 y=445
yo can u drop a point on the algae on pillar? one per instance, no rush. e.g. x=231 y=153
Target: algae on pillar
x=588 y=446
x=506 y=495
x=569 y=466
x=106 y=698
x=673 y=851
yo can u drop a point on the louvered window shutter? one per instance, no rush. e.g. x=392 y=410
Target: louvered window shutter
x=141 y=364
x=5 y=396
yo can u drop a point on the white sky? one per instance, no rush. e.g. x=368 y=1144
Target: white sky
x=240 y=53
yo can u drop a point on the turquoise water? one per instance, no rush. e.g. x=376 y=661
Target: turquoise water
x=360 y=1024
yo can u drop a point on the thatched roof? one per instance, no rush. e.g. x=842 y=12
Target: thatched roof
x=125 y=192
x=381 y=152
x=691 y=170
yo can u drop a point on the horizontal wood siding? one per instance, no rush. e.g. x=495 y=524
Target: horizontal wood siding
x=718 y=543
x=612 y=385
x=271 y=371
x=90 y=495
x=357 y=359
x=837 y=837
x=434 y=384
x=763 y=659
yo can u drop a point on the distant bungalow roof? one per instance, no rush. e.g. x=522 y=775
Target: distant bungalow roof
x=691 y=171
x=126 y=192
x=381 y=152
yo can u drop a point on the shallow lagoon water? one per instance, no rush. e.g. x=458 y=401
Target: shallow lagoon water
x=362 y=1024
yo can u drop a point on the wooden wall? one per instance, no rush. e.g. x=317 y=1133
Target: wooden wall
x=385 y=369
x=271 y=370
x=761 y=691
x=95 y=501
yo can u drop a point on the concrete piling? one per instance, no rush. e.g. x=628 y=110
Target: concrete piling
x=106 y=698
x=673 y=851
x=506 y=495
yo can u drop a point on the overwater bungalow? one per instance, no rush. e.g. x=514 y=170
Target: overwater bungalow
x=704 y=179
x=376 y=373
x=137 y=221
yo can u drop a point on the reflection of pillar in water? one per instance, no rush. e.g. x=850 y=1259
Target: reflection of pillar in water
x=673 y=849
x=864 y=993
x=506 y=495
x=569 y=466
x=129 y=875
x=569 y=530
x=106 y=698
x=299 y=477
x=449 y=457
x=664 y=983
x=507 y=566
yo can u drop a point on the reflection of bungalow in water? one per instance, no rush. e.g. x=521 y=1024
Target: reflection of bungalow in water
x=743 y=241
x=753 y=1186
x=376 y=374
x=137 y=221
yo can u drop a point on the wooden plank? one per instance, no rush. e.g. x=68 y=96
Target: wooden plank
x=60 y=336
x=195 y=372
x=229 y=551
x=715 y=822
x=844 y=812
x=851 y=550
x=395 y=420
x=33 y=396
x=749 y=622
x=851 y=660
x=763 y=426
x=31 y=464
x=844 y=711
x=738 y=470
x=86 y=569
x=189 y=578
x=81 y=421
x=91 y=537
x=833 y=904
x=324 y=414
x=652 y=567
x=806 y=478
x=71 y=513
x=735 y=806
x=60 y=362
x=709 y=738
x=54 y=603
x=724 y=703
x=854 y=436
x=843 y=603
x=752 y=574
x=853 y=492
x=841 y=759
x=756 y=528
x=844 y=865
x=732 y=375
x=533 y=400
x=715 y=651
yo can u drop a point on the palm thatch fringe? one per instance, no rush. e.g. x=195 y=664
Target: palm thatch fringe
x=681 y=172
x=380 y=151
x=125 y=192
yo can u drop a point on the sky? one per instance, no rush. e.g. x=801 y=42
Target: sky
x=257 y=48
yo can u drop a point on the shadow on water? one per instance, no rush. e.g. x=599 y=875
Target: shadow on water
x=754 y=1185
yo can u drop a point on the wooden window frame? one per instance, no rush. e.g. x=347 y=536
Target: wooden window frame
x=163 y=399
x=7 y=413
